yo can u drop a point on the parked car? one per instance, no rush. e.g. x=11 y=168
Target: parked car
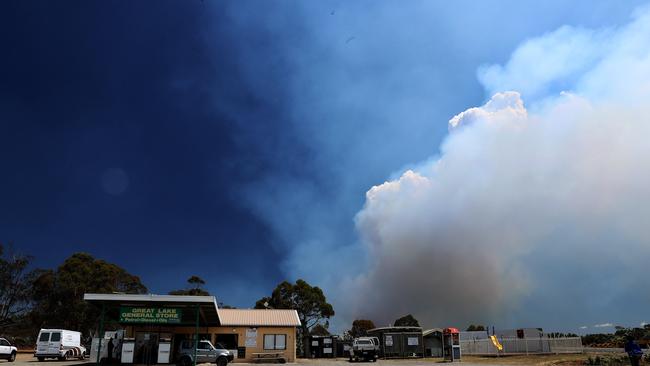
x=205 y=352
x=7 y=351
x=60 y=344
x=364 y=348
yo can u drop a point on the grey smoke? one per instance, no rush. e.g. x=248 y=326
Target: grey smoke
x=498 y=235
x=531 y=214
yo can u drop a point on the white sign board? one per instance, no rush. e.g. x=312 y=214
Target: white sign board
x=127 y=352
x=389 y=340
x=314 y=343
x=327 y=350
x=251 y=337
x=163 y=352
x=413 y=341
x=327 y=340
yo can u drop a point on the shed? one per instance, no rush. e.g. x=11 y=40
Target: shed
x=399 y=342
x=432 y=342
x=321 y=346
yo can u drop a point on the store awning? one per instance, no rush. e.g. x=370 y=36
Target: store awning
x=187 y=305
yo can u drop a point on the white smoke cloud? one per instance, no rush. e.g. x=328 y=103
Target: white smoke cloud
x=529 y=213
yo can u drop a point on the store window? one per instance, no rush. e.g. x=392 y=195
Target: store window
x=275 y=341
x=228 y=341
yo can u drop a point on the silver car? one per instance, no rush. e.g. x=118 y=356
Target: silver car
x=205 y=352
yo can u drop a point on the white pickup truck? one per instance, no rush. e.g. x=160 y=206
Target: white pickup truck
x=7 y=351
x=364 y=348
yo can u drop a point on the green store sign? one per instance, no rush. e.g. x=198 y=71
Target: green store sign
x=150 y=315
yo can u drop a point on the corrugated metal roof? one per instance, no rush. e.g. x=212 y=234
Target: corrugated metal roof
x=397 y=329
x=259 y=317
x=431 y=331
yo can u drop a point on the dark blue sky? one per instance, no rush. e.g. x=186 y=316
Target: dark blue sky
x=235 y=140
x=91 y=89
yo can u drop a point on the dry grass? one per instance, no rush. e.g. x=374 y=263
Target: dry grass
x=538 y=360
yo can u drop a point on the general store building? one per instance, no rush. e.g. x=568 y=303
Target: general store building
x=151 y=319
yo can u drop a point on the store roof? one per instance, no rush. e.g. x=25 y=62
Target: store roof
x=396 y=329
x=207 y=305
x=259 y=317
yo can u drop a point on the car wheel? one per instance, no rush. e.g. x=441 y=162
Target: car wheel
x=222 y=361
x=12 y=358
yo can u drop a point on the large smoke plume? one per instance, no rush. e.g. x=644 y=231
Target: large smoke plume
x=528 y=214
x=531 y=212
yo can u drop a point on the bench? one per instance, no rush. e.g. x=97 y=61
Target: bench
x=269 y=356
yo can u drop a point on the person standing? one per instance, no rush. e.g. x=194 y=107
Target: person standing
x=110 y=348
x=633 y=351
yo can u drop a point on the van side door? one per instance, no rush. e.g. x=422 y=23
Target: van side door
x=43 y=344
x=55 y=343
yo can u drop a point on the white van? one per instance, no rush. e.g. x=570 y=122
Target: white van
x=59 y=343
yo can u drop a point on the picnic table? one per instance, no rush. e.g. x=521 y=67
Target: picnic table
x=269 y=356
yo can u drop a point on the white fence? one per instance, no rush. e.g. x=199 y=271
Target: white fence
x=513 y=346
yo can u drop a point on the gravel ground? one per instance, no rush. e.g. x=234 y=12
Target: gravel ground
x=27 y=359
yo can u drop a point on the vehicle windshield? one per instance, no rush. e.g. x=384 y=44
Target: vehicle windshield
x=44 y=337
x=220 y=346
x=364 y=342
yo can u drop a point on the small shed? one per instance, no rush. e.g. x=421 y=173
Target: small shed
x=321 y=346
x=399 y=342
x=432 y=342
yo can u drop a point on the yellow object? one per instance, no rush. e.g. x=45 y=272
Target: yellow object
x=496 y=343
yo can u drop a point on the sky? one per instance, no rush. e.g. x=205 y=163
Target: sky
x=250 y=142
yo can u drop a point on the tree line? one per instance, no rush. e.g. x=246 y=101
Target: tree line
x=32 y=298
x=617 y=339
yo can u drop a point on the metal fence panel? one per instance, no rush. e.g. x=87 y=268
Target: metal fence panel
x=522 y=346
